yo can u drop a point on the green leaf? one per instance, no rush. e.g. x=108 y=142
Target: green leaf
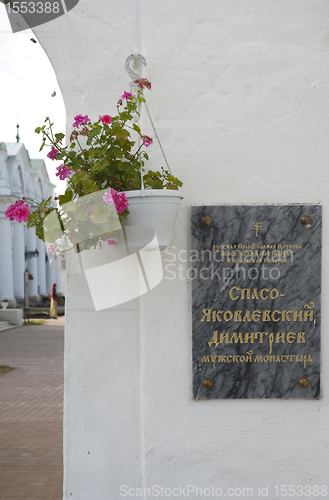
x=99 y=214
x=111 y=225
x=156 y=184
x=66 y=197
x=137 y=128
x=121 y=133
x=118 y=152
x=59 y=137
x=80 y=176
x=80 y=214
x=95 y=131
x=40 y=233
x=70 y=207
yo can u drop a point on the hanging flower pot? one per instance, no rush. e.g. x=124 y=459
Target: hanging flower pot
x=156 y=209
x=106 y=156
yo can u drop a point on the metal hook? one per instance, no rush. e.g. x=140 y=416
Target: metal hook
x=130 y=72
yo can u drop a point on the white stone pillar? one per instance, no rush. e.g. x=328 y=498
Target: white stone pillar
x=50 y=277
x=6 y=261
x=32 y=264
x=58 y=275
x=19 y=259
x=41 y=267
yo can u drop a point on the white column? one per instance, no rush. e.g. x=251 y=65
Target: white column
x=32 y=264
x=6 y=261
x=58 y=275
x=41 y=267
x=19 y=259
x=50 y=277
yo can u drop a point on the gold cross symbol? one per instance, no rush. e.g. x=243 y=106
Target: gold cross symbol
x=257 y=226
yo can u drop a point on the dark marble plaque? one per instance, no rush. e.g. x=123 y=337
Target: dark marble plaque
x=256 y=301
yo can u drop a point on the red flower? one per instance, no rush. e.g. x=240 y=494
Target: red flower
x=74 y=135
x=147 y=141
x=143 y=82
x=106 y=119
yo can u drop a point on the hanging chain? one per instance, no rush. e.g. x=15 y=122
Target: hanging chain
x=134 y=77
x=156 y=135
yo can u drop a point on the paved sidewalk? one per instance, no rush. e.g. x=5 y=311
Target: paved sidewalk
x=60 y=321
x=31 y=412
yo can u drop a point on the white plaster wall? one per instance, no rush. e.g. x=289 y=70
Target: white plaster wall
x=240 y=101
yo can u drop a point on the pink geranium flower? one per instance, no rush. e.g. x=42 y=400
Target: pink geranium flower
x=119 y=199
x=80 y=120
x=51 y=249
x=22 y=213
x=84 y=131
x=147 y=141
x=63 y=171
x=108 y=198
x=52 y=153
x=106 y=119
x=126 y=95
x=19 y=211
x=10 y=212
x=143 y=82
x=74 y=135
x=121 y=202
x=111 y=242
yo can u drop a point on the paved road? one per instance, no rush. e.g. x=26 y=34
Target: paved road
x=31 y=412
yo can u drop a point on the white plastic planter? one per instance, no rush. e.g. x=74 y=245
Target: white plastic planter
x=4 y=305
x=157 y=210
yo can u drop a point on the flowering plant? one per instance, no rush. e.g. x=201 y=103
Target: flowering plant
x=101 y=155
x=19 y=211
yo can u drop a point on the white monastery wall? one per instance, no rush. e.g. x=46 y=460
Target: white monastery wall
x=240 y=101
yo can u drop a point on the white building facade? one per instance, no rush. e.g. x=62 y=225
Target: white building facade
x=240 y=101
x=21 y=176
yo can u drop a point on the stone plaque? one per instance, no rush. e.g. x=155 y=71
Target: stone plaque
x=256 y=301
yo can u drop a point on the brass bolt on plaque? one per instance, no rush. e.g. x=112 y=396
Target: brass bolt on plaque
x=303 y=382
x=306 y=221
x=207 y=383
x=206 y=221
